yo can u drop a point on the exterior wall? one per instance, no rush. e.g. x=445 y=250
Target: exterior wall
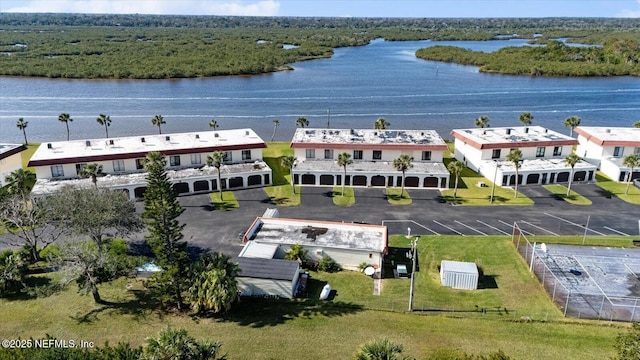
x=611 y=170
x=367 y=155
x=267 y=287
x=459 y=280
x=348 y=259
x=589 y=151
x=467 y=154
x=8 y=165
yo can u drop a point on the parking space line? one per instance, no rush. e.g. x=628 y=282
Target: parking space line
x=469 y=227
x=445 y=226
x=538 y=227
x=411 y=221
x=616 y=231
x=493 y=227
x=511 y=226
x=574 y=224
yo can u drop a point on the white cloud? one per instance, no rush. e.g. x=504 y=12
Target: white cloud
x=184 y=7
x=626 y=13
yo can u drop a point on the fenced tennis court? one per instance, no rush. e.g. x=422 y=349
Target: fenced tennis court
x=586 y=281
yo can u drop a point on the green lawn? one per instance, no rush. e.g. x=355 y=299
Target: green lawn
x=346 y=199
x=613 y=188
x=561 y=191
x=395 y=198
x=26 y=155
x=228 y=202
x=281 y=192
x=445 y=318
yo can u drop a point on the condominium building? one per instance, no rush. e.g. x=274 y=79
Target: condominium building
x=10 y=160
x=372 y=152
x=543 y=155
x=122 y=160
x=606 y=148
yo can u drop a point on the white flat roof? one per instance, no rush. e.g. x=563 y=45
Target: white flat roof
x=76 y=151
x=512 y=137
x=321 y=234
x=458 y=267
x=7 y=150
x=367 y=137
x=611 y=136
x=254 y=249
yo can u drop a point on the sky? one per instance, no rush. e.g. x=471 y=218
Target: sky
x=338 y=8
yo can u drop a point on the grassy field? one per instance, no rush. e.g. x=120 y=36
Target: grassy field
x=282 y=193
x=346 y=199
x=395 y=198
x=444 y=318
x=26 y=155
x=228 y=201
x=618 y=189
x=561 y=192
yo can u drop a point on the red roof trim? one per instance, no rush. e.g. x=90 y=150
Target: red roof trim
x=14 y=151
x=137 y=155
x=506 y=145
x=596 y=140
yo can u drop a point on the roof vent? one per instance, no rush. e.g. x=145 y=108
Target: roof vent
x=484 y=132
x=167 y=137
x=608 y=131
x=546 y=130
x=246 y=132
x=49 y=146
x=197 y=136
x=111 y=142
x=216 y=135
x=526 y=130
x=508 y=131
x=87 y=143
x=142 y=139
x=351 y=131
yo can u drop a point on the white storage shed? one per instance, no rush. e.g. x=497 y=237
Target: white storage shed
x=459 y=275
x=267 y=277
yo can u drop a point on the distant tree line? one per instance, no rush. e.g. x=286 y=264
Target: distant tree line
x=160 y=47
x=614 y=58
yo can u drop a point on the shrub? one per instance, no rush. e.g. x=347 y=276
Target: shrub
x=327 y=264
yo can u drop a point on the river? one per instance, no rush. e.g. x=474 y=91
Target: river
x=354 y=87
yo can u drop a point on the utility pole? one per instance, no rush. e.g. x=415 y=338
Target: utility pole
x=414 y=246
x=328 y=118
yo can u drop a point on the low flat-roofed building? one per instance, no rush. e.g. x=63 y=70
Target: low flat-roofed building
x=372 y=152
x=543 y=152
x=10 y=159
x=459 y=275
x=122 y=161
x=346 y=243
x=267 y=277
x=606 y=148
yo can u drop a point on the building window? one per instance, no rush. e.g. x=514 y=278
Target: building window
x=310 y=153
x=540 y=151
x=426 y=155
x=57 y=171
x=246 y=154
x=637 y=151
x=495 y=154
x=174 y=160
x=377 y=155
x=618 y=151
x=357 y=154
x=79 y=167
x=328 y=154
x=228 y=157
x=557 y=150
x=139 y=164
x=196 y=159
x=118 y=165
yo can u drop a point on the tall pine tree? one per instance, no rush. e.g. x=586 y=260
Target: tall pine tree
x=161 y=210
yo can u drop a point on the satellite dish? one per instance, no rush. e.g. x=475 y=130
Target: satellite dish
x=543 y=247
x=369 y=270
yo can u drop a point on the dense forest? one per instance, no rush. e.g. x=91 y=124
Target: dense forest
x=615 y=58
x=155 y=46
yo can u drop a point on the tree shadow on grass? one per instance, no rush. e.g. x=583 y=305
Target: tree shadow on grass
x=261 y=312
x=144 y=304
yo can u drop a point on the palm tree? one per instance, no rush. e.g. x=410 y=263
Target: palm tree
x=214 y=286
x=302 y=122
x=636 y=124
x=91 y=171
x=22 y=125
x=65 y=118
x=20 y=182
x=455 y=167
x=104 y=120
x=482 y=122
x=572 y=122
x=213 y=124
x=158 y=120
x=515 y=156
x=216 y=160
x=526 y=118
x=276 y=123
x=403 y=163
x=382 y=349
x=381 y=124
x=571 y=160
x=179 y=345
x=631 y=161
x=288 y=162
x=344 y=159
